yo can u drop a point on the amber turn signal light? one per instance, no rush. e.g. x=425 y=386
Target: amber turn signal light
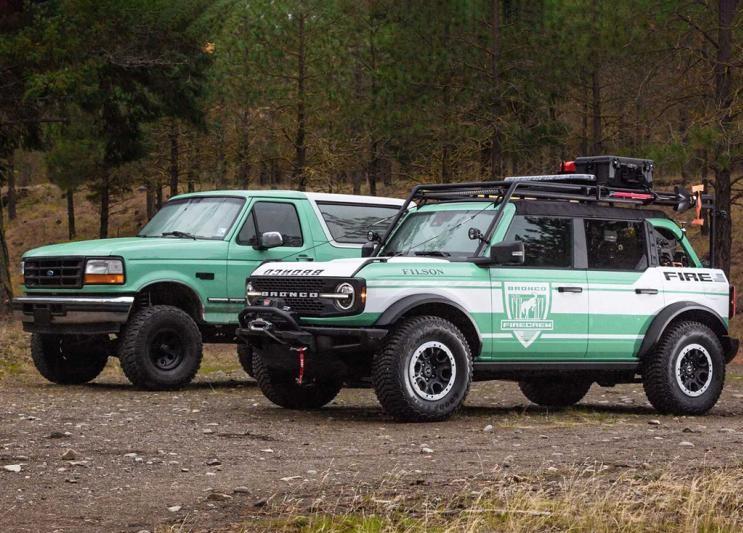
x=104 y=279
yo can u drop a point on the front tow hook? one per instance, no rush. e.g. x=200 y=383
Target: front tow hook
x=260 y=325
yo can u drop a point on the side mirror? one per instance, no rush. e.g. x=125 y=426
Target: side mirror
x=270 y=239
x=368 y=249
x=508 y=253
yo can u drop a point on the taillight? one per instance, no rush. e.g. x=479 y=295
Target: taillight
x=733 y=306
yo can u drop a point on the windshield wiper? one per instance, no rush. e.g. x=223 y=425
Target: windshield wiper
x=179 y=234
x=433 y=253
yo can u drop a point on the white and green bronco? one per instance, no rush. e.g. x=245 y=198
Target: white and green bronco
x=546 y=283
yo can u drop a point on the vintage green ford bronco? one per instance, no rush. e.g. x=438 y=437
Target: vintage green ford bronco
x=152 y=299
x=556 y=282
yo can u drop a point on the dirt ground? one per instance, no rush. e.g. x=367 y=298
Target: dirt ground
x=217 y=455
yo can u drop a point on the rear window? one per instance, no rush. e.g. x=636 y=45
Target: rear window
x=616 y=245
x=349 y=223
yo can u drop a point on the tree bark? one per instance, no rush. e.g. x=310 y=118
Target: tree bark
x=174 y=149
x=71 y=214
x=6 y=285
x=373 y=168
x=243 y=169
x=150 y=198
x=496 y=155
x=596 y=129
x=11 y=189
x=105 y=205
x=724 y=103
x=194 y=162
x=300 y=149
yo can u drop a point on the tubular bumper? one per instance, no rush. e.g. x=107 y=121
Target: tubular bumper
x=277 y=334
x=73 y=314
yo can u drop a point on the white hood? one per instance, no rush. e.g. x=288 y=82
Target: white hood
x=342 y=268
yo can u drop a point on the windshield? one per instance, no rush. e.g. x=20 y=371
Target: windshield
x=203 y=217
x=439 y=233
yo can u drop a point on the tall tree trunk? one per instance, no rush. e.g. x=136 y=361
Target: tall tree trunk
x=6 y=285
x=300 y=156
x=357 y=178
x=263 y=176
x=596 y=133
x=159 y=196
x=194 y=163
x=71 y=214
x=243 y=156
x=446 y=145
x=150 y=199
x=496 y=155
x=584 y=115
x=174 y=149
x=724 y=103
x=373 y=168
x=105 y=205
x=11 y=188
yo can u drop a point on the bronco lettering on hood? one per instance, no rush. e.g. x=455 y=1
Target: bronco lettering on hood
x=292 y=272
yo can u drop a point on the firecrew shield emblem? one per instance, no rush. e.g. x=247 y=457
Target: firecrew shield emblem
x=527 y=308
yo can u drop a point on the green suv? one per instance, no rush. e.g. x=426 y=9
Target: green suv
x=151 y=300
x=555 y=282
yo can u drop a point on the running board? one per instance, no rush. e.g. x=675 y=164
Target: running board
x=560 y=366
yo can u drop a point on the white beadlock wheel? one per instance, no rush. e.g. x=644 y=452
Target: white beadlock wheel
x=432 y=371
x=693 y=370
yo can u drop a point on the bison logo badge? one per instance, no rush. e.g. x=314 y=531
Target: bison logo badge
x=527 y=307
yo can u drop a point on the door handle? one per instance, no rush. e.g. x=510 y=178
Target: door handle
x=646 y=291
x=304 y=257
x=570 y=289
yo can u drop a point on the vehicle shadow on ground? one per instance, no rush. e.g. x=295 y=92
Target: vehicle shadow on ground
x=197 y=385
x=375 y=414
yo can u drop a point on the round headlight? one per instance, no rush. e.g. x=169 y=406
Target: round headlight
x=344 y=304
x=248 y=289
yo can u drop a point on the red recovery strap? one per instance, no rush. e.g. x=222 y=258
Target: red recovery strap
x=300 y=354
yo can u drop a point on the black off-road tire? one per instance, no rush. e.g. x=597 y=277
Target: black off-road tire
x=398 y=393
x=555 y=392
x=283 y=389
x=161 y=348
x=69 y=359
x=245 y=356
x=659 y=378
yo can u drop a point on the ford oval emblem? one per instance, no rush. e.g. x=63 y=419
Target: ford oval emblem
x=50 y=273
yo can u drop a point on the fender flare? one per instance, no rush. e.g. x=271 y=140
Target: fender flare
x=670 y=313
x=398 y=309
x=183 y=285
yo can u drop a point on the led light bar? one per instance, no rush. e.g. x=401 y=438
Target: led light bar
x=552 y=177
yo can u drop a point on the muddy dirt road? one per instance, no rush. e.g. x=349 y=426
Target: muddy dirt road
x=218 y=454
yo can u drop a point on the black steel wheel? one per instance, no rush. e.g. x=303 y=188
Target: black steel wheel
x=160 y=348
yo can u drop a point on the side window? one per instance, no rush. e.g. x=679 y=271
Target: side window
x=547 y=240
x=272 y=216
x=616 y=245
x=349 y=223
x=670 y=251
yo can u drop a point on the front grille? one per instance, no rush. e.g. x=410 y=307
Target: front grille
x=54 y=272
x=304 y=305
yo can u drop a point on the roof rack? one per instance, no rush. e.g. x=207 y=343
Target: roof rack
x=561 y=187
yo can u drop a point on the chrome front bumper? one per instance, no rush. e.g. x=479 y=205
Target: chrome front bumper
x=83 y=313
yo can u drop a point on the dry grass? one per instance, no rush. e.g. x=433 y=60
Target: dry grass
x=14 y=359
x=576 y=501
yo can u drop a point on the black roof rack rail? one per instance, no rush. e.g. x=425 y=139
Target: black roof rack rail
x=558 y=187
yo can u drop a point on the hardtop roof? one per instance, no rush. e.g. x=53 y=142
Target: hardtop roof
x=294 y=195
